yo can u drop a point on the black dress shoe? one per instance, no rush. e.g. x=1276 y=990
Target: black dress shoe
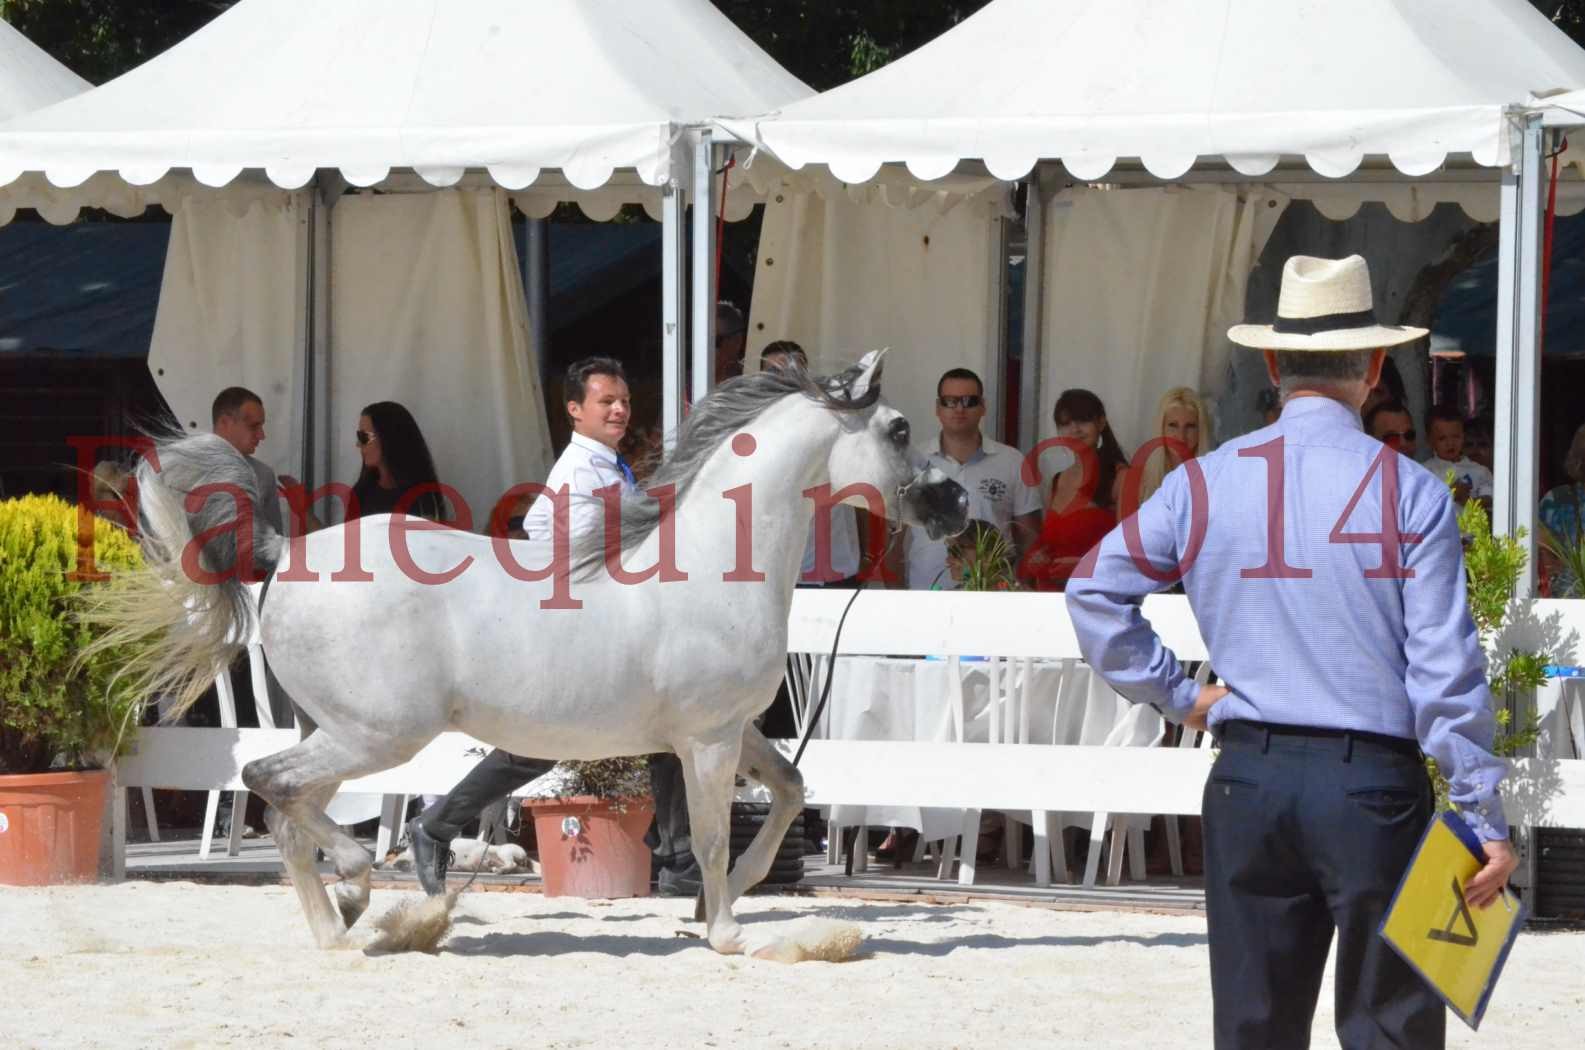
x=430 y=858
x=686 y=883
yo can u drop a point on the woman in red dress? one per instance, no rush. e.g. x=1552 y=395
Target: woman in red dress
x=1082 y=507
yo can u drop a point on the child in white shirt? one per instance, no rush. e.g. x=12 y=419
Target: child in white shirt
x=1445 y=429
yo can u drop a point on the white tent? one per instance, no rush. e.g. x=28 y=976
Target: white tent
x=473 y=97
x=29 y=78
x=585 y=87
x=1236 y=92
x=1175 y=82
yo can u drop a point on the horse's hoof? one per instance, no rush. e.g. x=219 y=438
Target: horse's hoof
x=728 y=940
x=352 y=900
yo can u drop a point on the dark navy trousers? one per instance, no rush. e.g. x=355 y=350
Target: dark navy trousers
x=1308 y=832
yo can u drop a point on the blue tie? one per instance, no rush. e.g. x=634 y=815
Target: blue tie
x=627 y=471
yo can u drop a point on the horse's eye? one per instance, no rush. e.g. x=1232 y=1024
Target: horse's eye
x=897 y=430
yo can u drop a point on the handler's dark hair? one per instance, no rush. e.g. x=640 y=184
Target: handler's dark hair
x=578 y=374
x=786 y=348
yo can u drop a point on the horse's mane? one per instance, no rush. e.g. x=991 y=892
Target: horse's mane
x=724 y=411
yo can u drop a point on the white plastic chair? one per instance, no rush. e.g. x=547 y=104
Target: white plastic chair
x=1140 y=726
x=1007 y=721
x=228 y=720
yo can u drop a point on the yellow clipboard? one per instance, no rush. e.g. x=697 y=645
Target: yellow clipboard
x=1457 y=949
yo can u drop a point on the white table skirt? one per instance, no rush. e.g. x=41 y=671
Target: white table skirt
x=875 y=698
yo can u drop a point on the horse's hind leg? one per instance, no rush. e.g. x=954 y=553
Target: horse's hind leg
x=708 y=768
x=761 y=761
x=299 y=782
x=297 y=852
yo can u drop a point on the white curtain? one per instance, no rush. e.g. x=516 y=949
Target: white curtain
x=842 y=277
x=229 y=315
x=428 y=310
x=1141 y=286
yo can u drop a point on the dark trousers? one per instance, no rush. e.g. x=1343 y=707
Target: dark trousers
x=499 y=774
x=673 y=840
x=1307 y=831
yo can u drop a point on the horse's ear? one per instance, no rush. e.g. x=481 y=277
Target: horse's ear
x=867 y=383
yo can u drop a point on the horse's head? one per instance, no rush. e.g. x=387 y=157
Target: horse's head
x=875 y=448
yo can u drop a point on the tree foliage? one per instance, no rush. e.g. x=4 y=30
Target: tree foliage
x=824 y=42
x=101 y=39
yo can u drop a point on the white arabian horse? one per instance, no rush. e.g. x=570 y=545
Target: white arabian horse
x=383 y=663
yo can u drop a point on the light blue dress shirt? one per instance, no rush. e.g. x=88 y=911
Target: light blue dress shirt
x=1336 y=649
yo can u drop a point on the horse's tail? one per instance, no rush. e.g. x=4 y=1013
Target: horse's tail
x=185 y=615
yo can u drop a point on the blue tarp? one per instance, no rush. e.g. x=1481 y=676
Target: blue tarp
x=1468 y=311
x=90 y=288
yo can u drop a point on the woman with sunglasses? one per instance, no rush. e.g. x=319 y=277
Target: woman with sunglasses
x=396 y=461
x=1082 y=508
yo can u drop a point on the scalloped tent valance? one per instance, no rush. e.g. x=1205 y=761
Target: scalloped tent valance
x=1172 y=82
x=439 y=87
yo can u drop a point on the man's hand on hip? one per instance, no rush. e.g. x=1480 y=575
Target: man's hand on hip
x=1484 y=886
x=1208 y=698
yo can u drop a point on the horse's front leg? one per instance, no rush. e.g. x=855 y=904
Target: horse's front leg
x=761 y=762
x=709 y=766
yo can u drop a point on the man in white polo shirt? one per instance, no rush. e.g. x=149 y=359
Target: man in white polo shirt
x=991 y=473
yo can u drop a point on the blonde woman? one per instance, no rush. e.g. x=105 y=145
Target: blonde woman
x=1180 y=417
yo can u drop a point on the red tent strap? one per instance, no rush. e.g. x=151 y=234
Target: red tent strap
x=720 y=223
x=1546 y=243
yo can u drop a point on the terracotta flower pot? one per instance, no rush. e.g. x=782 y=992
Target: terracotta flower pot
x=49 y=827
x=593 y=847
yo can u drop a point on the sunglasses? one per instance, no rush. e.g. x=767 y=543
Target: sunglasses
x=965 y=401
x=364 y=437
x=1396 y=435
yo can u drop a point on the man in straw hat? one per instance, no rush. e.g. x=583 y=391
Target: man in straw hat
x=1327 y=576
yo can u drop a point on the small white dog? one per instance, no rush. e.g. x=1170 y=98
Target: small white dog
x=469 y=855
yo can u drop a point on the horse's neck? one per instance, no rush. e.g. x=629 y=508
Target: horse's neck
x=792 y=447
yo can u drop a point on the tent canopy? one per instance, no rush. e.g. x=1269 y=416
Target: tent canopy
x=30 y=79
x=438 y=86
x=1172 y=82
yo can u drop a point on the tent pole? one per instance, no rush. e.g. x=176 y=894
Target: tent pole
x=1034 y=280
x=674 y=304
x=702 y=328
x=1517 y=426
x=536 y=284
x=304 y=369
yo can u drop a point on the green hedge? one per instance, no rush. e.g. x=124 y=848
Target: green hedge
x=52 y=713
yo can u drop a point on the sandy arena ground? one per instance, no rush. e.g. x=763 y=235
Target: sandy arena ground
x=177 y=965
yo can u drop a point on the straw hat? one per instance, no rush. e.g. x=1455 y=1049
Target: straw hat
x=1325 y=305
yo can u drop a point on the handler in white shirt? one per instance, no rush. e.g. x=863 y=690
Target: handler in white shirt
x=991 y=473
x=600 y=407
x=598 y=402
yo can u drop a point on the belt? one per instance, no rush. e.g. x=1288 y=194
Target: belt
x=1242 y=735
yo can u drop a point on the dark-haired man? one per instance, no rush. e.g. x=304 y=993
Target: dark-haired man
x=237 y=415
x=991 y=472
x=1392 y=425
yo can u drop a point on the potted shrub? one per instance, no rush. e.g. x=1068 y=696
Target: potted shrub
x=61 y=718
x=590 y=819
